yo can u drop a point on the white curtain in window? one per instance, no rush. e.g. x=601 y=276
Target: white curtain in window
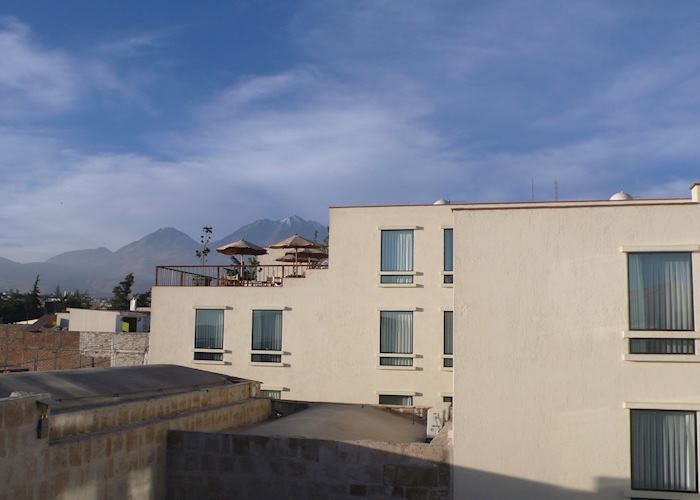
x=663 y=450
x=209 y=329
x=660 y=291
x=267 y=330
x=396 y=336
x=397 y=250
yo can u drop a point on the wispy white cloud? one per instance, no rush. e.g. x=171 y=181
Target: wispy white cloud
x=388 y=103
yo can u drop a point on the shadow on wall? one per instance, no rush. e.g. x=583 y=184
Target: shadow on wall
x=480 y=485
x=214 y=465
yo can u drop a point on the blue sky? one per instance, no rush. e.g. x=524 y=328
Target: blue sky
x=117 y=118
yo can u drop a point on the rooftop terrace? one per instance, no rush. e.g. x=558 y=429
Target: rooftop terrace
x=247 y=275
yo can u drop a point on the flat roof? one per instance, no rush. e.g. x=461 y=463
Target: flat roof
x=454 y=205
x=343 y=422
x=97 y=386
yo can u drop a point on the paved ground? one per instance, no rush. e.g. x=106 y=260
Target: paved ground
x=343 y=423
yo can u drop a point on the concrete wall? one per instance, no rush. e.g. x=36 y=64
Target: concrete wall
x=125 y=459
x=539 y=348
x=92 y=320
x=122 y=349
x=202 y=465
x=331 y=317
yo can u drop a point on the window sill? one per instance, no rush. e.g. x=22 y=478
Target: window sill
x=446 y=369
x=391 y=367
x=447 y=285
x=207 y=362
x=662 y=358
x=661 y=495
x=262 y=363
x=397 y=285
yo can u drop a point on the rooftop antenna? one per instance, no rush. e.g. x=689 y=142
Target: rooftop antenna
x=532 y=188
x=556 y=191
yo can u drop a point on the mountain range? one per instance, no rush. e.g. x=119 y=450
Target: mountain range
x=98 y=270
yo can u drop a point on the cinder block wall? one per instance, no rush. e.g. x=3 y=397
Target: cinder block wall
x=122 y=462
x=123 y=349
x=206 y=466
x=42 y=351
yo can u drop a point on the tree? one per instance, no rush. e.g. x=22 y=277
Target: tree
x=143 y=299
x=122 y=293
x=204 y=239
x=324 y=245
x=34 y=308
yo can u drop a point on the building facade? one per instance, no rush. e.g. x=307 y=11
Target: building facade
x=321 y=337
x=574 y=337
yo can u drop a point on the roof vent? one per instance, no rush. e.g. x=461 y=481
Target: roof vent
x=441 y=201
x=620 y=196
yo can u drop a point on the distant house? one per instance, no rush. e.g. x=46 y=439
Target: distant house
x=91 y=320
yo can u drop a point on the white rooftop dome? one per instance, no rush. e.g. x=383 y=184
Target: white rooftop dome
x=441 y=201
x=620 y=196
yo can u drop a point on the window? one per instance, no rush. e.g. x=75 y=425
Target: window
x=396 y=337
x=209 y=335
x=267 y=336
x=448 y=257
x=663 y=450
x=395 y=400
x=660 y=291
x=264 y=393
x=397 y=256
x=447 y=399
x=447 y=358
x=662 y=346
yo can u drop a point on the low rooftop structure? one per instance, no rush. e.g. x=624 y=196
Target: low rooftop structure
x=343 y=422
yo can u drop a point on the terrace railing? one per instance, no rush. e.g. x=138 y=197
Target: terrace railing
x=230 y=275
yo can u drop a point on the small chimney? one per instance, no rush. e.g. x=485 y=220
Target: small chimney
x=695 y=192
x=132 y=304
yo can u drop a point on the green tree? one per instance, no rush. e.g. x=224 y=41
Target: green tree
x=143 y=299
x=34 y=309
x=121 y=294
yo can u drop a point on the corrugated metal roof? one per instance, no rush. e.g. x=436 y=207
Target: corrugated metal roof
x=86 y=386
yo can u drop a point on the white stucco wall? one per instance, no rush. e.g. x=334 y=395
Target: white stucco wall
x=539 y=346
x=331 y=326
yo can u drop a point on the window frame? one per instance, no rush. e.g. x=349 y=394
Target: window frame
x=447 y=356
x=396 y=355
x=447 y=275
x=410 y=274
x=695 y=449
x=256 y=354
x=628 y=255
x=215 y=352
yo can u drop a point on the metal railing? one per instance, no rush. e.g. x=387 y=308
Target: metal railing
x=231 y=275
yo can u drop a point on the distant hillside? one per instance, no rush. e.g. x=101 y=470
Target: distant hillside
x=98 y=270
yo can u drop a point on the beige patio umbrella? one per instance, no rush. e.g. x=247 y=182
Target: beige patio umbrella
x=295 y=242
x=241 y=247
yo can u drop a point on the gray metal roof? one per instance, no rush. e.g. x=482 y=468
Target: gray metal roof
x=87 y=386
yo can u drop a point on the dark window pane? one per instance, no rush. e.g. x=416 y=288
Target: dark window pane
x=208 y=356
x=662 y=346
x=447 y=264
x=663 y=450
x=396 y=279
x=447 y=362
x=386 y=361
x=660 y=291
x=271 y=394
x=266 y=358
x=448 y=279
x=390 y=399
x=209 y=329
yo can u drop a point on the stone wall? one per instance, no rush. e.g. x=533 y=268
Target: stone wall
x=203 y=465
x=123 y=349
x=126 y=461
